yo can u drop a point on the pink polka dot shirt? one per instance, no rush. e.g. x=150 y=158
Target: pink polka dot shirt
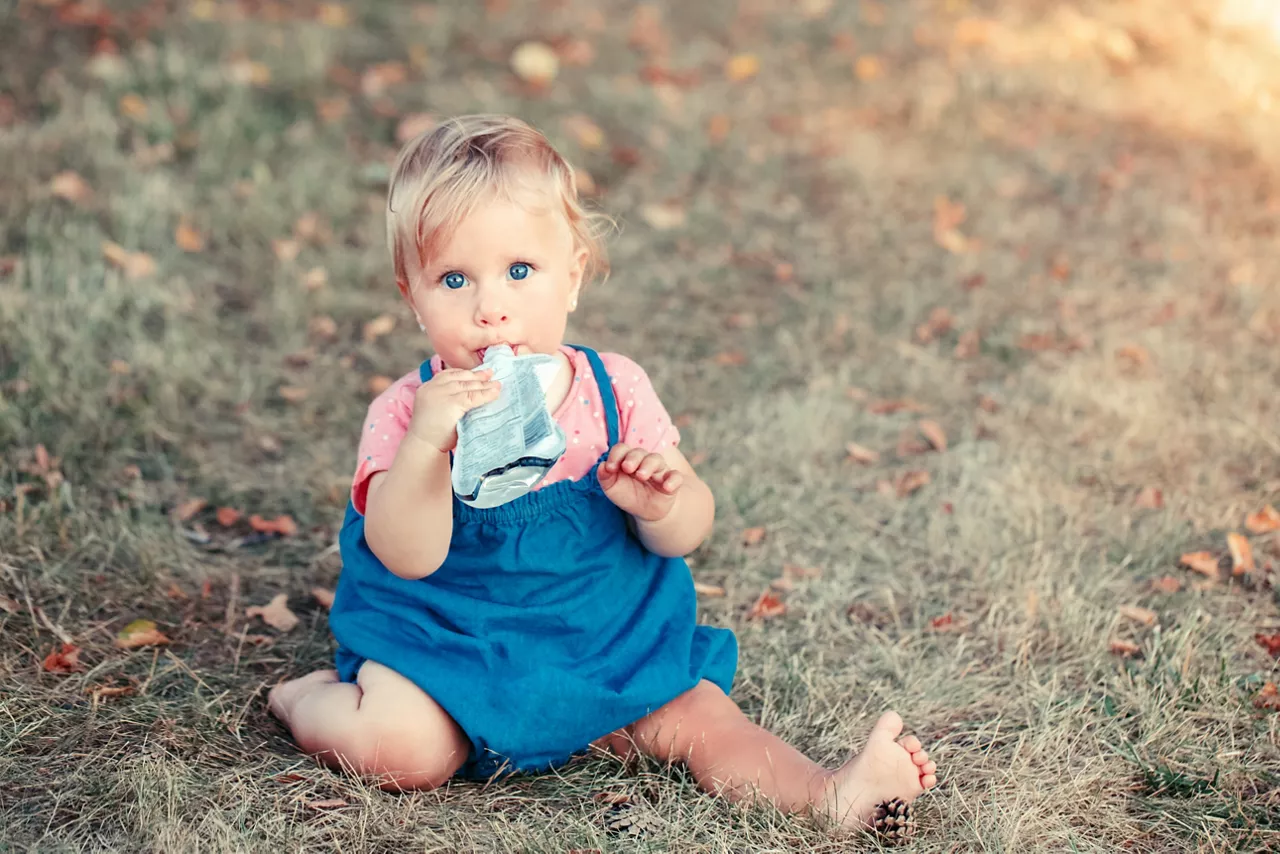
x=643 y=421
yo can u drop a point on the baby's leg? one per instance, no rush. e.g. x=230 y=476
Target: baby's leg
x=730 y=755
x=383 y=728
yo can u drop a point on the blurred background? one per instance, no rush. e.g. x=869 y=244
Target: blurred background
x=967 y=312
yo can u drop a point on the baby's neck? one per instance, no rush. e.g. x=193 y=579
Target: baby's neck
x=559 y=389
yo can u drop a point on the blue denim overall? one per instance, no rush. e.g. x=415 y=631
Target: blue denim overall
x=548 y=625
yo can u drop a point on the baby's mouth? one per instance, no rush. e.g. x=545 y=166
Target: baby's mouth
x=517 y=349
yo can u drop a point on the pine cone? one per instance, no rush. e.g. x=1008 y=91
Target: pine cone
x=893 y=822
x=636 y=821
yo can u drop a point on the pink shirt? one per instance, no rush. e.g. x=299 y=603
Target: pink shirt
x=643 y=420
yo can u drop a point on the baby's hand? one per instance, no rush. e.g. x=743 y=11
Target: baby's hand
x=441 y=402
x=639 y=482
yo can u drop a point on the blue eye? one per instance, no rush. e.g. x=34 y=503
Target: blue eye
x=453 y=281
x=518 y=270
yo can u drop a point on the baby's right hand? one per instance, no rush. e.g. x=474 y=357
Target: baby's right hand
x=441 y=402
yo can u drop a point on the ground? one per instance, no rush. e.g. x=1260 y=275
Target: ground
x=1047 y=229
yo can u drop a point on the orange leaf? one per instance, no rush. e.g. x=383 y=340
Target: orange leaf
x=70 y=186
x=711 y=590
x=767 y=607
x=888 y=407
x=1167 y=584
x=1271 y=643
x=731 y=358
x=227 y=516
x=324 y=327
x=1264 y=521
x=64 y=660
x=752 y=536
x=379 y=326
x=133 y=106
x=1124 y=647
x=413 y=125
x=1268 y=697
x=187 y=509
x=1202 y=562
x=379 y=384
x=1150 y=498
x=282 y=525
x=294 y=393
x=136 y=265
x=941 y=623
x=140 y=633
x=909 y=481
x=742 y=67
x=1241 y=554
x=275 y=613
x=188 y=239
x=286 y=249
x=869 y=67
x=860 y=454
x=587 y=133
x=1138 y=614
x=324 y=596
x=934 y=433
x=718 y=127
x=969 y=345
x=1133 y=355
x=535 y=63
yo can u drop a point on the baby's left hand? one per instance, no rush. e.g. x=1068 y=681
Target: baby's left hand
x=639 y=482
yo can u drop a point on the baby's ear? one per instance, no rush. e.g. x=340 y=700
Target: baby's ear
x=578 y=268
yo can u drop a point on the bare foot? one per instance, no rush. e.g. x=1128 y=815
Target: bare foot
x=885 y=769
x=282 y=699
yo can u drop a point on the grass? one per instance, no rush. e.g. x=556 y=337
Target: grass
x=1101 y=190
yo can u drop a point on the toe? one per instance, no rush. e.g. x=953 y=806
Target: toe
x=929 y=781
x=928 y=768
x=920 y=757
x=910 y=742
x=888 y=726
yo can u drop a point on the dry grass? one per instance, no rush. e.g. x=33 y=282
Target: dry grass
x=1102 y=188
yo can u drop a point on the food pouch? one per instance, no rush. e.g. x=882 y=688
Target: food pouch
x=507 y=446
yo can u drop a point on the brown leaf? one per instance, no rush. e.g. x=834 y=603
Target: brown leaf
x=133 y=106
x=334 y=15
x=1241 y=554
x=1138 y=614
x=9 y=604
x=731 y=358
x=1124 y=647
x=1166 y=584
x=1264 y=521
x=1149 y=498
x=869 y=67
x=792 y=570
x=141 y=633
x=379 y=384
x=379 y=326
x=323 y=595
x=753 y=536
x=323 y=327
x=227 y=516
x=1268 y=697
x=187 y=509
x=275 y=613
x=586 y=132
x=888 y=407
x=63 y=660
x=934 y=433
x=381 y=76
x=121 y=367
x=1202 y=562
x=286 y=248
x=909 y=445
x=859 y=454
x=718 y=127
x=909 y=481
x=969 y=345
x=987 y=403
x=98 y=692
x=282 y=525
x=575 y=53
x=136 y=265
x=414 y=125
x=742 y=67
x=939 y=323
x=1271 y=643
x=327 y=804
x=71 y=187
x=767 y=607
x=293 y=393
x=535 y=63
x=187 y=238
x=712 y=590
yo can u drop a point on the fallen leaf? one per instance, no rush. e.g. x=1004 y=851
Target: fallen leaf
x=1241 y=554
x=1264 y=521
x=1124 y=647
x=9 y=604
x=752 y=536
x=227 y=516
x=742 y=67
x=324 y=596
x=286 y=249
x=940 y=624
x=63 y=660
x=664 y=216
x=379 y=384
x=869 y=67
x=586 y=132
x=121 y=367
x=909 y=481
x=860 y=454
x=889 y=407
x=718 y=127
x=711 y=590
x=380 y=76
x=293 y=393
x=98 y=692
x=940 y=322
x=987 y=403
x=275 y=613
x=71 y=187
x=731 y=358
x=1202 y=562
x=1138 y=614
x=327 y=804
x=136 y=265
x=792 y=570
x=1133 y=356
x=782 y=584
x=133 y=106
x=334 y=15
x=1271 y=643
x=379 y=326
x=282 y=525
x=141 y=633
x=414 y=125
x=1268 y=697
x=1149 y=498
x=187 y=509
x=969 y=345
x=576 y=53
x=934 y=433
x=535 y=63
x=767 y=607
x=324 y=327
x=1166 y=584
x=909 y=444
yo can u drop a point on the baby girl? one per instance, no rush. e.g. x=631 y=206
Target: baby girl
x=476 y=642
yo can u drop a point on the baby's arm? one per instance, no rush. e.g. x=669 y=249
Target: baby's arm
x=409 y=510
x=689 y=520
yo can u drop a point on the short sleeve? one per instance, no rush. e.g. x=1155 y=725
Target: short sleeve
x=385 y=424
x=642 y=419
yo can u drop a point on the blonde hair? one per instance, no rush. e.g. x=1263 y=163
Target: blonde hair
x=441 y=175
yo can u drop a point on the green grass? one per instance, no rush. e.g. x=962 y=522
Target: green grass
x=1155 y=182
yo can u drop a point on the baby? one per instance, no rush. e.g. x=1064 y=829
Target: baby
x=475 y=642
